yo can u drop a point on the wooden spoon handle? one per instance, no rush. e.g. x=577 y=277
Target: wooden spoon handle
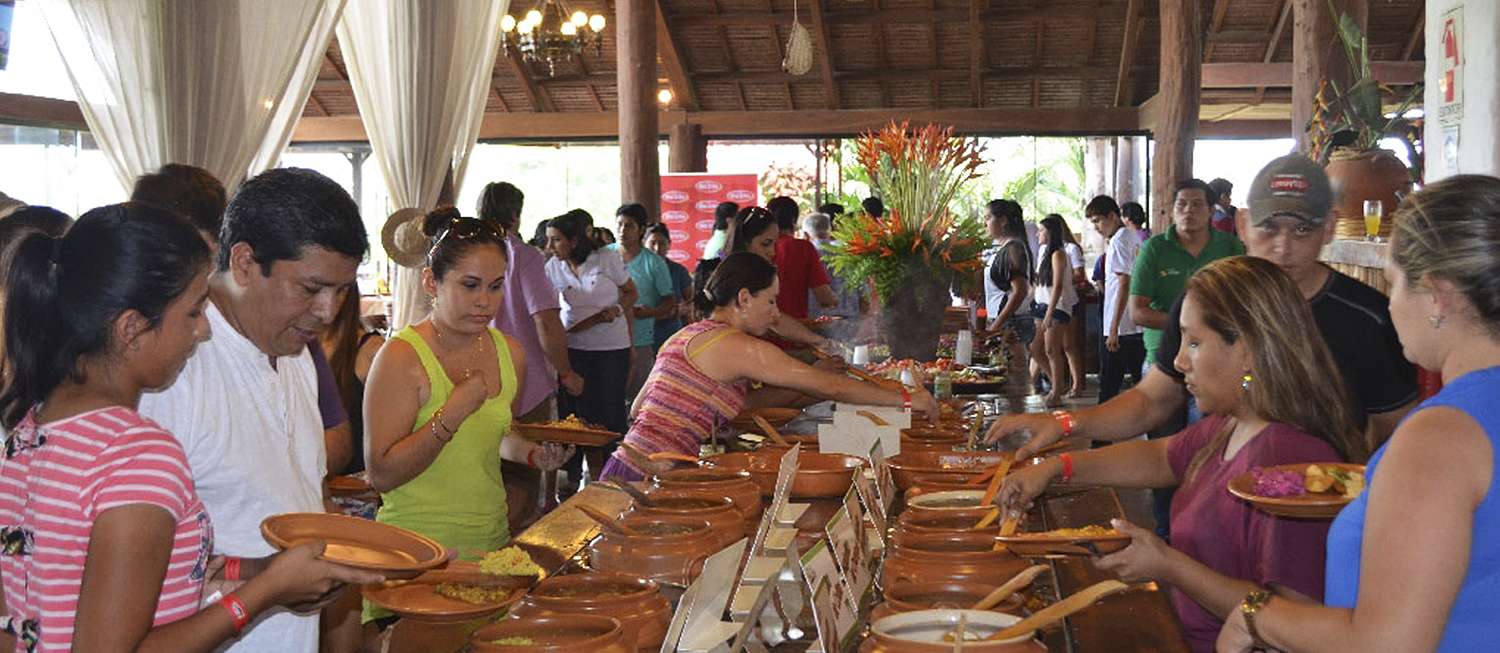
x=872 y=417
x=974 y=428
x=635 y=493
x=1063 y=608
x=1004 y=591
x=609 y=523
x=770 y=430
x=672 y=455
x=1000 y=471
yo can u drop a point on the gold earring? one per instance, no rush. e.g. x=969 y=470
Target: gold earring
x=1435 y=320
x=1245 y=382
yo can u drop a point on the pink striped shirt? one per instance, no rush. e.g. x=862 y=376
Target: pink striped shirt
x=56 y=479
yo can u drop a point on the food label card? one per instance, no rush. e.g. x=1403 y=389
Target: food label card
x=884 y=484
x=784 y=476
x=834 y=607
x=845 y=538
x=697 y=620
x=865 y=485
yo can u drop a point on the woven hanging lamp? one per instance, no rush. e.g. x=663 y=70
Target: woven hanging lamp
x=799 y=49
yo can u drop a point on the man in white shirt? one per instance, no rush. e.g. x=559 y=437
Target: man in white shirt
x=1122 y=348
x=245 y=406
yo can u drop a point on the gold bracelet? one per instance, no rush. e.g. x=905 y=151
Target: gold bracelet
x=437 y=420
x=1252 y=604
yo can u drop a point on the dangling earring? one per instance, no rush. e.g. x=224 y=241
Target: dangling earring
x=1435 y=320
x=1245 y=382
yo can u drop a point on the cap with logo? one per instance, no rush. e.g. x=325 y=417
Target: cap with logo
x=1291 y=185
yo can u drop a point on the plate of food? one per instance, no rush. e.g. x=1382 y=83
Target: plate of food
x=1307 y=491
x=394 y=552
x=1085 y=541
x=570 y=430
x=456 y=593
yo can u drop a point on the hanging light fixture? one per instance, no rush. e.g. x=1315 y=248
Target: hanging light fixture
x=550 y=33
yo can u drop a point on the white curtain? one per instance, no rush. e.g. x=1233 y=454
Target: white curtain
x=188 y=81
x=421 y=73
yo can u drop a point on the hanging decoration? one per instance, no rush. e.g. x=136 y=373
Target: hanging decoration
x=799 y=49
x=550 y=33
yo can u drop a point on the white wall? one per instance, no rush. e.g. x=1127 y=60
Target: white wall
x=1478 y=140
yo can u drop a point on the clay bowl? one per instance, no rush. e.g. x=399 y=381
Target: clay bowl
x=910 y=468
x=819 y=475
x=778 y=417
x=939 y=503
x=668 y=550
x=938 y=483
x=570 y=634
x=922 y=631
x=911 y=597
x=809 y=443
x=930 y=439
x=643 y=613
x=724 y=520
x=952 y=521
x=959 y=557
x=733 y=483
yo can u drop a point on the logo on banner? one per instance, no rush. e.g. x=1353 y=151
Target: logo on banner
x=708 y=186
x=705 y=225
x=675 y=196
x=707 y=206
x=740 y=195
x=677 y=255
x=674 y=216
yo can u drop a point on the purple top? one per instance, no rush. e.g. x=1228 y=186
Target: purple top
x=1232 y=537
x=528 y=292
x=330 y=404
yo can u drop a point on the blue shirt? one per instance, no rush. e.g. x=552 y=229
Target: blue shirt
x=653 y=282
x=1472 y=624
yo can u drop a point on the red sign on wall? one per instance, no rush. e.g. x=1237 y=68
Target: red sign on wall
x=688 y=201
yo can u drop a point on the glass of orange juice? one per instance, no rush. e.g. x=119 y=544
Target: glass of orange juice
x=1374 y=209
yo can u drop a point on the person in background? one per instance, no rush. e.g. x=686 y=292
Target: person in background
x=799 y=267
x=1121 y=349
x=190 y=191
x=113 y=542
x=757 y=231
x=245 y=406
x=531 y=313
x=833 y=210
x=873 y=207
x=1412 y=561
x=703 y=376
x=659 y=240
x=723 y=213
x=1007 y=281
x=1073 y=344
x=603 y=236
x=1261 y=373
x=1223 y=217
x=442 y=396
x=655 y=296
x=1052 y=308
x=352 y=349
x=818 y=228
x=1135 y=215
x=539 y=239
x=596 y=292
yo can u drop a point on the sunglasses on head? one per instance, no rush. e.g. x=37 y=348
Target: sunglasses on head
x=755 y=213
x=465 y=228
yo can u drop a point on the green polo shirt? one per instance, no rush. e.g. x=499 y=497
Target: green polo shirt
x=1162 y=269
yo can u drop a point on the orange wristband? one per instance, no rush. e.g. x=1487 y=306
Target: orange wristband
x=905 y=398
x=1066 y=420
x=237 y=612
x=232 y=568
x=1067 y=473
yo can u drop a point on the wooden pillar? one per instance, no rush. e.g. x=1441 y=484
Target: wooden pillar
x=1317 y=53
x=635 y=63
x=687 y=149
x=1177 y=102
x=1130 y=181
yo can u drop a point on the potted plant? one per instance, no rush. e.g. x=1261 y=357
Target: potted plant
x=913 y=256
x=1346 y=129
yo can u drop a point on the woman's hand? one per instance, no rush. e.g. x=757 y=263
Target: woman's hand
x=1023 y=485
x=215 y=586
x=551 y=455
x=572 y=382
x=467 y=397
x=1234 y=637
x=297 y=579
x=1043 y=428
x=922 y=400
x=833 y=364
x=1047 y=322
x=1147 y=557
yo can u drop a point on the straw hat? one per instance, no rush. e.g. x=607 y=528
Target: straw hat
x=403 y=238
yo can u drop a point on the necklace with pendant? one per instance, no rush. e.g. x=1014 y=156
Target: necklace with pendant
x=474 y=349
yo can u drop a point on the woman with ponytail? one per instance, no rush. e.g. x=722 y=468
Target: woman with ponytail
x=106 y=544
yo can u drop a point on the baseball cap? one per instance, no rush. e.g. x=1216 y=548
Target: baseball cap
x=1291 y=185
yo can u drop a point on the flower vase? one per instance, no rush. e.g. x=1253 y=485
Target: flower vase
x=913 y=318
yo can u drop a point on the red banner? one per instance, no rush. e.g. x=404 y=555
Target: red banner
x=688 y=201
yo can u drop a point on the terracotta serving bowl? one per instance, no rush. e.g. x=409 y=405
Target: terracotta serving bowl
x=938 y=483
x=777 y=417
x=668 y=550
x=930 y=439
x=949 y=521
x=644 y=614
x=819 y=475
x=569 y=634
x=725 y=522
x=940 y=503
x=809 y=443
x=733 y=483
x=910 y=468
x=961 y=557
x=923 y=631
x=910 y=597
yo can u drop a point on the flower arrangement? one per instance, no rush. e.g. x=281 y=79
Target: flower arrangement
x=1359 y=109
x=917 y=173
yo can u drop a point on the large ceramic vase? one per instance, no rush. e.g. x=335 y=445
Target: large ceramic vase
x=1357 y=175
x=911 y=321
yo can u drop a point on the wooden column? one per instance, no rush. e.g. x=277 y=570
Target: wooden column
x=1317 y=53
x=635 y=63
x=687 y=149
x=1130 y=180
x=1177 y=104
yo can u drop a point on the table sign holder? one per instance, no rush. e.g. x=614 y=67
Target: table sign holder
x=864 y=483
x=885 y=484
x=834 y=606
x=853 y=558
x=697 y=625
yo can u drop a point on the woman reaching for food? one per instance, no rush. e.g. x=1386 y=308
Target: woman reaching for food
x=1414 y=561
x=702 y=373
x=1253 y=357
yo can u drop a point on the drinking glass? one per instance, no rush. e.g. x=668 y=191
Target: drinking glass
x=1374 y=209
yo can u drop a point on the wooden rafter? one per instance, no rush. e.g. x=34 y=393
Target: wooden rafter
x=1127 y=53
x=672 y=62
x=1036 y=81
x=499 y=98
x=825 y=52
x=1215 y=24
x=877 y=32
x=1062 y=9
x=976 y=54
x=1416 y=35
x=1283 y=18
x=322 y=110
x=1088 y=53
x=540 y=101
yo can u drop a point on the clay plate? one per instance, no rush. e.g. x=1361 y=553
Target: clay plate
x=778 y=417
x=418 y=598
x=566 y=434
x=1313 y=505
x=395 y=552
x=348 y=486
x=1023 y=544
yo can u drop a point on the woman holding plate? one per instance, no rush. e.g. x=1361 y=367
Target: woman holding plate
x=1252 y=356
x=1414 y=561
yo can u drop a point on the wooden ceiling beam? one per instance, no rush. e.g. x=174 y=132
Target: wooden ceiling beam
x=1416 y=34
x=976 y=54
x=34 y=111
x=1279 y=74
x=673 y=64
x=1215 y=24
x=825 y=52
x=540 y=101
x=1127 y=54
x=1283 y=18
x=945 y=74
x=1060 y=9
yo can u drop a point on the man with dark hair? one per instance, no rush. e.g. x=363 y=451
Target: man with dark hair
x=245 y=406
x=656 y=298
x=798 y=264
x=192 y=192
x=659 y=240
x=1223 y=217
x=1121 y=348
x=873 y=207
x=833 y=210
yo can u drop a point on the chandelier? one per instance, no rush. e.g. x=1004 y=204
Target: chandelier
x=550 y=33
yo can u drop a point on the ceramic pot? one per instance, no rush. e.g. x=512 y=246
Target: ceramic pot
x=946 y=502
x=570 y=634
x=950 y=521
x=938 y=483
x=911 y=597
x=922 y=632
x=932 y=439
x=669 y=550
x=644 y=614
x=819 y=475
x=911 y=322
x=725 y=522
x=1358 y=175
x=909 y=468
x=959 y=557
x=809 y=443
x=733 y=483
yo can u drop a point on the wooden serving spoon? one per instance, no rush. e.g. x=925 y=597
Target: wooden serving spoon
x=1061 y=609
x=770 y=430
x=872 y=417
x=974 y=428
x=1004 y=591
x=672 y=455
x=625 y=486
x=608 y=523
x=863 y=375
x=986 y=475
x=989 y=518
x=1000 y=471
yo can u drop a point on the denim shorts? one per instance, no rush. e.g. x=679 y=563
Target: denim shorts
x=1039 y=311
x=1024 y=326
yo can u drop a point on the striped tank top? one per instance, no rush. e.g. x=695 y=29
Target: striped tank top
x=682 y=405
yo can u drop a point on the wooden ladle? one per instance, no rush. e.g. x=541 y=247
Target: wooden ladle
x=608 y=523
x=770 y=430
x=1004 y=591
x=1063 y=608
x=672 y=455
x=625 y=486
x=974 y=428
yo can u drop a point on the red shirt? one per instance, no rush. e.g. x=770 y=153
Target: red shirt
x=800 y=269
